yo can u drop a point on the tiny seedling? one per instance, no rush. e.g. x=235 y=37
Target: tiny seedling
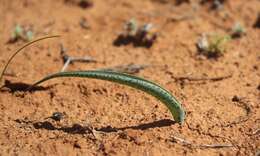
x=143 y=36
x=238 y=30
x=212 y=46
x=19 y=33
x=131 y=27
x=136 y=82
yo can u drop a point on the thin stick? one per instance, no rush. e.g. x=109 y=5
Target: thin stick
x=203 y=79
x=215 y=146
x=129 y=68
x=26 y=45
x=188 y=143
x=66 y=65
x=70 y=59
x=197 y=79
x=82 y=59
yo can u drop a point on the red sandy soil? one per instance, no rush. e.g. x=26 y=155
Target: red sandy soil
x=103 y=118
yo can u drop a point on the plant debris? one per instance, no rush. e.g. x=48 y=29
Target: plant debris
x=143 y=36
x=176 y=2
x=185 y=142
x=129 y=68
x=84 y=23
x=71 y=59
x=182 y=80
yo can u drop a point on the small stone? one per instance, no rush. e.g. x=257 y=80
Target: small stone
x=85 y=4
x=235 y=98
x=57 y=116
x=76 y=145
x=257 y=22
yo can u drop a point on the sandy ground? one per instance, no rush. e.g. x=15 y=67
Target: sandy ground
x=103 y=118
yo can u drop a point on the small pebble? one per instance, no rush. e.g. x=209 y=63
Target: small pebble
x=235 y=98
x=57 y=116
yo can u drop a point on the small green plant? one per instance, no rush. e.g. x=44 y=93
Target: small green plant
x=212 y=46
x=19 y=33
x=136 y=82
x=142 y=36
x=238 y=30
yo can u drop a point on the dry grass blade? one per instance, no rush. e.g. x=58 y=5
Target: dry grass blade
x=26 y=45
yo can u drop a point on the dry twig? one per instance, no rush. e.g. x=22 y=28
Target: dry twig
x=185 y=142
x=70 y=59
x=197 y=79
x=129 y=68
